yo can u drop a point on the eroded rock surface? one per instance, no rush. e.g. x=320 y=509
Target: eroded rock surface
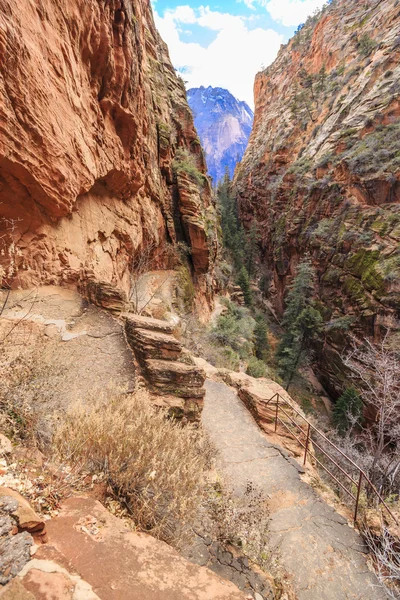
x=92 y=115
x=92 y=554
x=321 y=173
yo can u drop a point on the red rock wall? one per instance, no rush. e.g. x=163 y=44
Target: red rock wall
x=91 y=115
x=321 y=173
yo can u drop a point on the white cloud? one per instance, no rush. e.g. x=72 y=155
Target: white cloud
x=291 y=12
x=230 y=61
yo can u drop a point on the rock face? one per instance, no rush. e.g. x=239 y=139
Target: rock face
x=321 y=173
x=169 y=370
x=224 y=125
x=91 y=116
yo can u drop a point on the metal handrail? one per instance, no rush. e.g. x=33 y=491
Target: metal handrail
x=306 y=445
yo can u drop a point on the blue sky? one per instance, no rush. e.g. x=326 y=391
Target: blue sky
x=225 y=42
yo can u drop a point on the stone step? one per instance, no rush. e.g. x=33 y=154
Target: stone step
x=139 y=322
x=175 y=373
x=92 y=555
x=178 y=390
x=153 y=344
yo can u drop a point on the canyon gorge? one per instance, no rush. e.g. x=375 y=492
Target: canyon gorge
x=321 y=173
x=142 y=302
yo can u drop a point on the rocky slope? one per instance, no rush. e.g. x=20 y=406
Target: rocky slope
x=322 y=170
x=224 y=125
x=91 y=118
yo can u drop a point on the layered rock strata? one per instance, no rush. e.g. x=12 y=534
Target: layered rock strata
x=169 y=370
x=321 y=174
x=91 y=117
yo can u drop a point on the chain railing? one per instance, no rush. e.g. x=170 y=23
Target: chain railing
x=305 y=435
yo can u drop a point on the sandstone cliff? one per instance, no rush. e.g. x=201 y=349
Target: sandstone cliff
x=322 y=170
x=224 y=126
x=91 y=117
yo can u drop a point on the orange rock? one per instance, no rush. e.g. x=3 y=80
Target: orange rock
x=26 y=517
x=92 y=114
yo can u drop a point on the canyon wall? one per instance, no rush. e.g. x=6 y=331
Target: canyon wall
x=92 y=116
x=321 y=174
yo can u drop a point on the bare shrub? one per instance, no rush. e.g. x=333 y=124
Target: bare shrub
x=376 y=370
x=156 y=468
x=385 y=548
x=30 y=382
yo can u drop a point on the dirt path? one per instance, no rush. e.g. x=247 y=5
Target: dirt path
x=324 y=557
x=87 y=345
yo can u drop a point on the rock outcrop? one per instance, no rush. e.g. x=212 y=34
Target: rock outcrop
x=92 y=555
x=170 y=371
x=224 y=126
x=91 y=117
x=321 y=173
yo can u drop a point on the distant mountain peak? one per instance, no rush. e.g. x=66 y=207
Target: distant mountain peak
x=224 y=124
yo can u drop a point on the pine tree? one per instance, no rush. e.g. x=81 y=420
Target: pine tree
x=261 y=344
x=349 y=404
x=244 y=281
x=302 y=323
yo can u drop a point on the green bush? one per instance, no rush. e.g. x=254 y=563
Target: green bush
x=184 y=162
x=366 y=44
x=227 y=358
x=256 y=368
x=234 y=328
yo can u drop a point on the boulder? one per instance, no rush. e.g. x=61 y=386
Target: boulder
x=26 y=518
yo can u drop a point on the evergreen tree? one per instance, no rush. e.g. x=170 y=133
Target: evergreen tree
x=244 y=281
x=349 y=404
x=243 y=245
x=261 y=344
x=302 y=323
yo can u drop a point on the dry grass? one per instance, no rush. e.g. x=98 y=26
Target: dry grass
x=154 y=466
x=30 y=382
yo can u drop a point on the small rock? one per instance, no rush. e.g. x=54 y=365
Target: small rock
x=224 y=556
x=258 y=596
x=5 y=445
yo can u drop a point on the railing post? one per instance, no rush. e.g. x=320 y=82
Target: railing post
x=276 y=413
x=307 y=442
x=358 y=497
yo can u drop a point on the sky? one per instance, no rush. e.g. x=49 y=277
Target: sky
x=226 y=42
